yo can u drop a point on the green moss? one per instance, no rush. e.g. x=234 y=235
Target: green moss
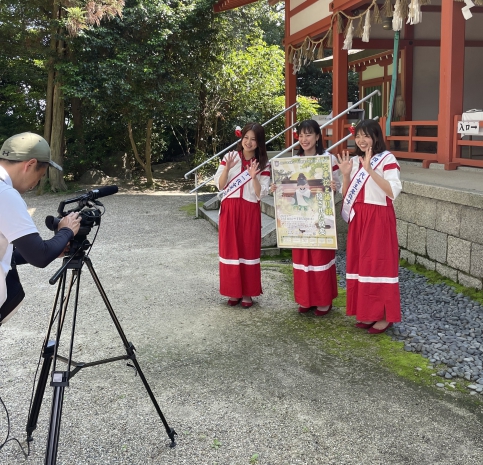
x=190 y=209
x=285 y=254
x=435 y=278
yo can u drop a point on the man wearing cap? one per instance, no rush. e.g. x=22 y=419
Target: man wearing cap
x=24 y=160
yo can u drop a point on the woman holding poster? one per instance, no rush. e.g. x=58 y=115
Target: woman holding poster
x=314 y=274
x=243 y=177
x=370 y=183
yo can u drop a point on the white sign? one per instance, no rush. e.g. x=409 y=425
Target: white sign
x=468 y=127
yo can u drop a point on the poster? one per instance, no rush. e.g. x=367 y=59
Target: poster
x=304 y=202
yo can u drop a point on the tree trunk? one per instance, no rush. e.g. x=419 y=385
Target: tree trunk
x=146 y=165
x=49 y=98
x=147 y=152
x=54 y=111
x=56 y=177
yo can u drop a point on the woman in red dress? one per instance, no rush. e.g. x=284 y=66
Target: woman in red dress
x=314 y=273
x=370 y=183
x=243 y=177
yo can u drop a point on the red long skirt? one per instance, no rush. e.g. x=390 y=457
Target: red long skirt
x=314 y=277
x=240 y=240
x=373 y=264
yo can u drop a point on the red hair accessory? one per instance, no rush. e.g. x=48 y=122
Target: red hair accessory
x=295 y=134
x=238 y=131
x=352 y=128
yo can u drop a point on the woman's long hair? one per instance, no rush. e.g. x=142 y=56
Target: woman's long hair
x=311 y=126
x=372 y=129
x=261 y=150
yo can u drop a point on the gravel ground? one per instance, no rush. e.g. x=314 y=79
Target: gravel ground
x=441 y=325
x=239 y=386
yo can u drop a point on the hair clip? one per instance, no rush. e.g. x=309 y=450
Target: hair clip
x=238 y=131
x=352 y=128
x=295 y=134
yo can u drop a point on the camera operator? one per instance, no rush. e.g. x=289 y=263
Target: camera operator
x=24 y=160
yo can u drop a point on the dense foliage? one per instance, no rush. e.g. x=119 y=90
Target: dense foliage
x=155 y=80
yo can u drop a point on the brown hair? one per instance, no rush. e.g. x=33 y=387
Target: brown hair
x=370 y=128
x=261 y=150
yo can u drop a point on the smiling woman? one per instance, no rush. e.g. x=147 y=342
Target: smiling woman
x=243 y=177
x=370 y=183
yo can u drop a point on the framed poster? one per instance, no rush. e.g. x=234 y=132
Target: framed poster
x=304 y=202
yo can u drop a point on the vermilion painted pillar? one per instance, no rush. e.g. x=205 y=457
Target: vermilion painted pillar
x=452 y=56
x=290 y=97
x=339 y=83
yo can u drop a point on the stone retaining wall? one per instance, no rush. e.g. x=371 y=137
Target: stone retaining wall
x=442 y=229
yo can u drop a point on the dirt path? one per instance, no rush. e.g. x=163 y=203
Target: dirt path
x=239 y=386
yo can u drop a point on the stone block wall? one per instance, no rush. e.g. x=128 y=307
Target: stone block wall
x=442 y=229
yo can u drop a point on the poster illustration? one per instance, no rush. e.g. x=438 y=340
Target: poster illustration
x=304 y=202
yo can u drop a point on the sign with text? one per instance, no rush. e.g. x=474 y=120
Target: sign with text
x=468 y=127
x=304 y=202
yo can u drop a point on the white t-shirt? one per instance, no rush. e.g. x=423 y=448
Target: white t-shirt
x=15 y=222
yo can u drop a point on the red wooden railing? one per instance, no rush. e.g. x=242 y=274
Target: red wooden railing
x=413 y=144
x=410 y=144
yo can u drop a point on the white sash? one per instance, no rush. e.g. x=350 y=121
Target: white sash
x=236 y=183
x=356 y=185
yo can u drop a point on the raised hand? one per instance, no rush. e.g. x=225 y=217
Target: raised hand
x=253 y=168
x=345 y=164
x=366 y=161
x=230 y=160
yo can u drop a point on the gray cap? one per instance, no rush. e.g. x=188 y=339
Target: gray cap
x=25 y=146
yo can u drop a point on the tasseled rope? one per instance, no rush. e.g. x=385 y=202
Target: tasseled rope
x=404 y=9
x=349 y=31
x=387 y=9
x=377 y=15
x=360 y=28
x=329 y=41
x=320 y=52
x=340 y=23
x=397 y=20
x=367 y=27
x=415 y=16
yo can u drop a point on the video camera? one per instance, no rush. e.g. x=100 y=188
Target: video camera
x=89 y=212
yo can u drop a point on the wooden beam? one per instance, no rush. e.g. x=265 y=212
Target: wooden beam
x=451 y=83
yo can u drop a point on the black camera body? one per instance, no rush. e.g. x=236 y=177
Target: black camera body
x=90 y=214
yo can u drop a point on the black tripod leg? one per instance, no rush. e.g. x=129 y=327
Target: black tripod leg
x=130 y=351
x=48 y=352
x=170 y=431
x=39 y=393
x=59 y=382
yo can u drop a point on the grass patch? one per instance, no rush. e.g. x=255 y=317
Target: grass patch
x=435 y=278
x=190 y=209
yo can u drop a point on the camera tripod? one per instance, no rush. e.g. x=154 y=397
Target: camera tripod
x=60 y=379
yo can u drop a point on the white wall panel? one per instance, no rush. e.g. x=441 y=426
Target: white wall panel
x=305 y=18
